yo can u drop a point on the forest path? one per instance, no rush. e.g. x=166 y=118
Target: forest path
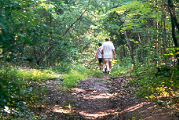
x=93 y=98
x=103 y=98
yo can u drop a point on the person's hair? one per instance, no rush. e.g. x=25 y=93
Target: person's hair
x=107 y=39
x=99 y=44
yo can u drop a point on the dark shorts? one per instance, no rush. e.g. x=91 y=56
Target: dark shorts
x=100 y=60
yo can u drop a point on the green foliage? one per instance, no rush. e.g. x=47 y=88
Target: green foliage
x=121 y=67
x=8 y=85
x=171 y=53
x=35 y=75
x=43 y=33
x=95 y=73
x=19 y=89
x=155 y=83
x=146 y=26
x=33 y=32
x=77 y=73
x=63 y=67
x=73 y=77
x=20 y=113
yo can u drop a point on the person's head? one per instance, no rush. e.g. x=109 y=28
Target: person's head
x=107 y=39
x=99 y=44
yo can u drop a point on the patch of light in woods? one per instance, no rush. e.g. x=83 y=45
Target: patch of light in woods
x=99 y=96
x=93 y=115
x=132 y=108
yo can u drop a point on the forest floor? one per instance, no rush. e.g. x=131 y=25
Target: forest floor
x=103 y=98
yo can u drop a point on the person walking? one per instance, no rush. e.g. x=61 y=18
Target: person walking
x=108 y=53
x=99 y=56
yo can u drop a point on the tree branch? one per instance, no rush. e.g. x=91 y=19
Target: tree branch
x=53 y=45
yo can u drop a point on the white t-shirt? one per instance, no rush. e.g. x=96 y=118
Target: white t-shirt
x=107 y=48
x=100 y=52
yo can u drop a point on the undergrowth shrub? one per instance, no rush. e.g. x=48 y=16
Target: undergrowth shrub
x=94 y=73
x=19 y=89
x=154 y=83
x=77 y=73
x=35 y=75
x=63 y=67
x=120 y=67
x=73 y=77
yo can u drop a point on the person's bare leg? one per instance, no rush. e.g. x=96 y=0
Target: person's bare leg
x=107 y=66
x=110 y=65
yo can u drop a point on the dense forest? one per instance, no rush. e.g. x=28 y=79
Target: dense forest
x=47 y=43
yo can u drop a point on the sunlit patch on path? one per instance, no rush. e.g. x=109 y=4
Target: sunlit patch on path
x=85 y=94
x=93 y=98
x=135 y=107
x=95 y=115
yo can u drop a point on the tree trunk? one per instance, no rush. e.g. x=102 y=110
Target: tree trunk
x=124 y=51
x=130 y=48
x=174 y=24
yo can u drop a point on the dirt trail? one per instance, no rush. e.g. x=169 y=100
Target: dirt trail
x=93 y=98
x=99 y=99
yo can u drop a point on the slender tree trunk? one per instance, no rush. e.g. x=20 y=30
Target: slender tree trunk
x=164 y=33
x=157 y=42
x=130 y=48
x=165 y=44
x=139 y=38
x=139 y=52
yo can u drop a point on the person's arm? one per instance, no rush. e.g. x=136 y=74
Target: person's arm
x=113 y=51
x=114 y=54
x=102 y=54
